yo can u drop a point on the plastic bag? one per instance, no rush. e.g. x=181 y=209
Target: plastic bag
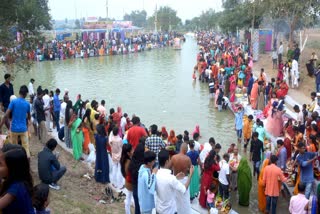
x=92 y=155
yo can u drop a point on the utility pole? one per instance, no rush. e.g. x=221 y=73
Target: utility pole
x=156 y=20
x=107 y=10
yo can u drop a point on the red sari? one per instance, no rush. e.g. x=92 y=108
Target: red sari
x=206 y=181
x=283 y=90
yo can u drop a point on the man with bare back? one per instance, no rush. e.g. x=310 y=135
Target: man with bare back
x=182 y=163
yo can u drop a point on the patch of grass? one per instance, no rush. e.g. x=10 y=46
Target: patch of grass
x=313 y=44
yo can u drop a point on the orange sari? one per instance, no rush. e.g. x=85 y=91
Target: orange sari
x=262 y=200
x=254 y=95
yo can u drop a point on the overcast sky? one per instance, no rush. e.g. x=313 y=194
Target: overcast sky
x=187 y=9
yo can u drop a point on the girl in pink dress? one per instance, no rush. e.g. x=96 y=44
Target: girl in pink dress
x=274 y=124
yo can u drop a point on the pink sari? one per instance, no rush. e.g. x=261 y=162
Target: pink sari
x=196 y=130
x=233 y=87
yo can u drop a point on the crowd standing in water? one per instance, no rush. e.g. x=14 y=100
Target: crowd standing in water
x=261 y=123
x=146 y=163
x=114 y=44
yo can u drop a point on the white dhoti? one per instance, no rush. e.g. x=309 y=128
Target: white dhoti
x=183 y=200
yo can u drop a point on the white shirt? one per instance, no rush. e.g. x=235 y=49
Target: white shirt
x=63 y=109
x=123 y=124
x=300 y=117
x=280 y=50
x=46 y=101
x=205 y=151
x=30 y=88
x=166 y=186
x=235 y=159
x=196 y=146
x=224 y=171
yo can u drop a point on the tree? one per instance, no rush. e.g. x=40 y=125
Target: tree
x=77 y=24
x=138 y=18
x=302 y=13
x=167 y=19
x=25 y=18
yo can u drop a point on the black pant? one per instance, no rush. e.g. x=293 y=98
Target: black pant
x=224 y=191
x=57 y=174
x=136 y=199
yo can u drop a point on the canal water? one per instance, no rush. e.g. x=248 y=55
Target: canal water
x=156 y=85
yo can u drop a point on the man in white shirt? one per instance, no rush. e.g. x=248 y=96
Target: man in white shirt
x=234 y=163
x=46 y=105
x=224 y=177
x=30 y=88
x=168 y=184
x=196 y=137
x=123 y=123
x=300 y=118
x=295 y=73
x=299 y=203
x=280 y=52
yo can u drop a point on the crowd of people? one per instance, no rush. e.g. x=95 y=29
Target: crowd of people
x=112 y=43
x=146 y=162
x=286 y=147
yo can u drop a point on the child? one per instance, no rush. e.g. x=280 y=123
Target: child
x=247 y=131
x=16 y=190
x=41 y=199
x=210 y=196
x=239 y=123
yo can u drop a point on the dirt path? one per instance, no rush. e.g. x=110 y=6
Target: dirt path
x=77 y=194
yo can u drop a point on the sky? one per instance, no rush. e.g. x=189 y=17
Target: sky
x=71 y=9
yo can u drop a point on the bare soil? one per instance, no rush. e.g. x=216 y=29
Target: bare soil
x=77 y=194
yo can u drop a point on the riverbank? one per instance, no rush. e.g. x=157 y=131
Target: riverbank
x=78 y=194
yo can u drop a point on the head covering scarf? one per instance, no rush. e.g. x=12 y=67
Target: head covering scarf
x=164 y=131
x=172 y=137
x=196 y=130
x=245 y=179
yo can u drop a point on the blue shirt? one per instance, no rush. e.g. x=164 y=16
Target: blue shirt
x=193 y=155
x=56 y=103
x=239 y=120
x=19 y=108
x=282 y=158
x=250 y=84
x=146 y=189
x=306 y=175
x=22 y=202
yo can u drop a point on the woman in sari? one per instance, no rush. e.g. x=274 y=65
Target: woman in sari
x=233 y=86
x=216 y=96
x=77 y=138
x=283 y=89
x=245 y=179
x=87 y=127
x=196 y=130
x=211 y=166
x=262 y=200
x=288 y=137
x=260 y=102
x=254 y=95
x=248 y=76
x=172 y=139
x=101 y=172
x=69 y=117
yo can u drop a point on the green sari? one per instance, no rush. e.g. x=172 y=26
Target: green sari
x=244 y=182
x=77 y=139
